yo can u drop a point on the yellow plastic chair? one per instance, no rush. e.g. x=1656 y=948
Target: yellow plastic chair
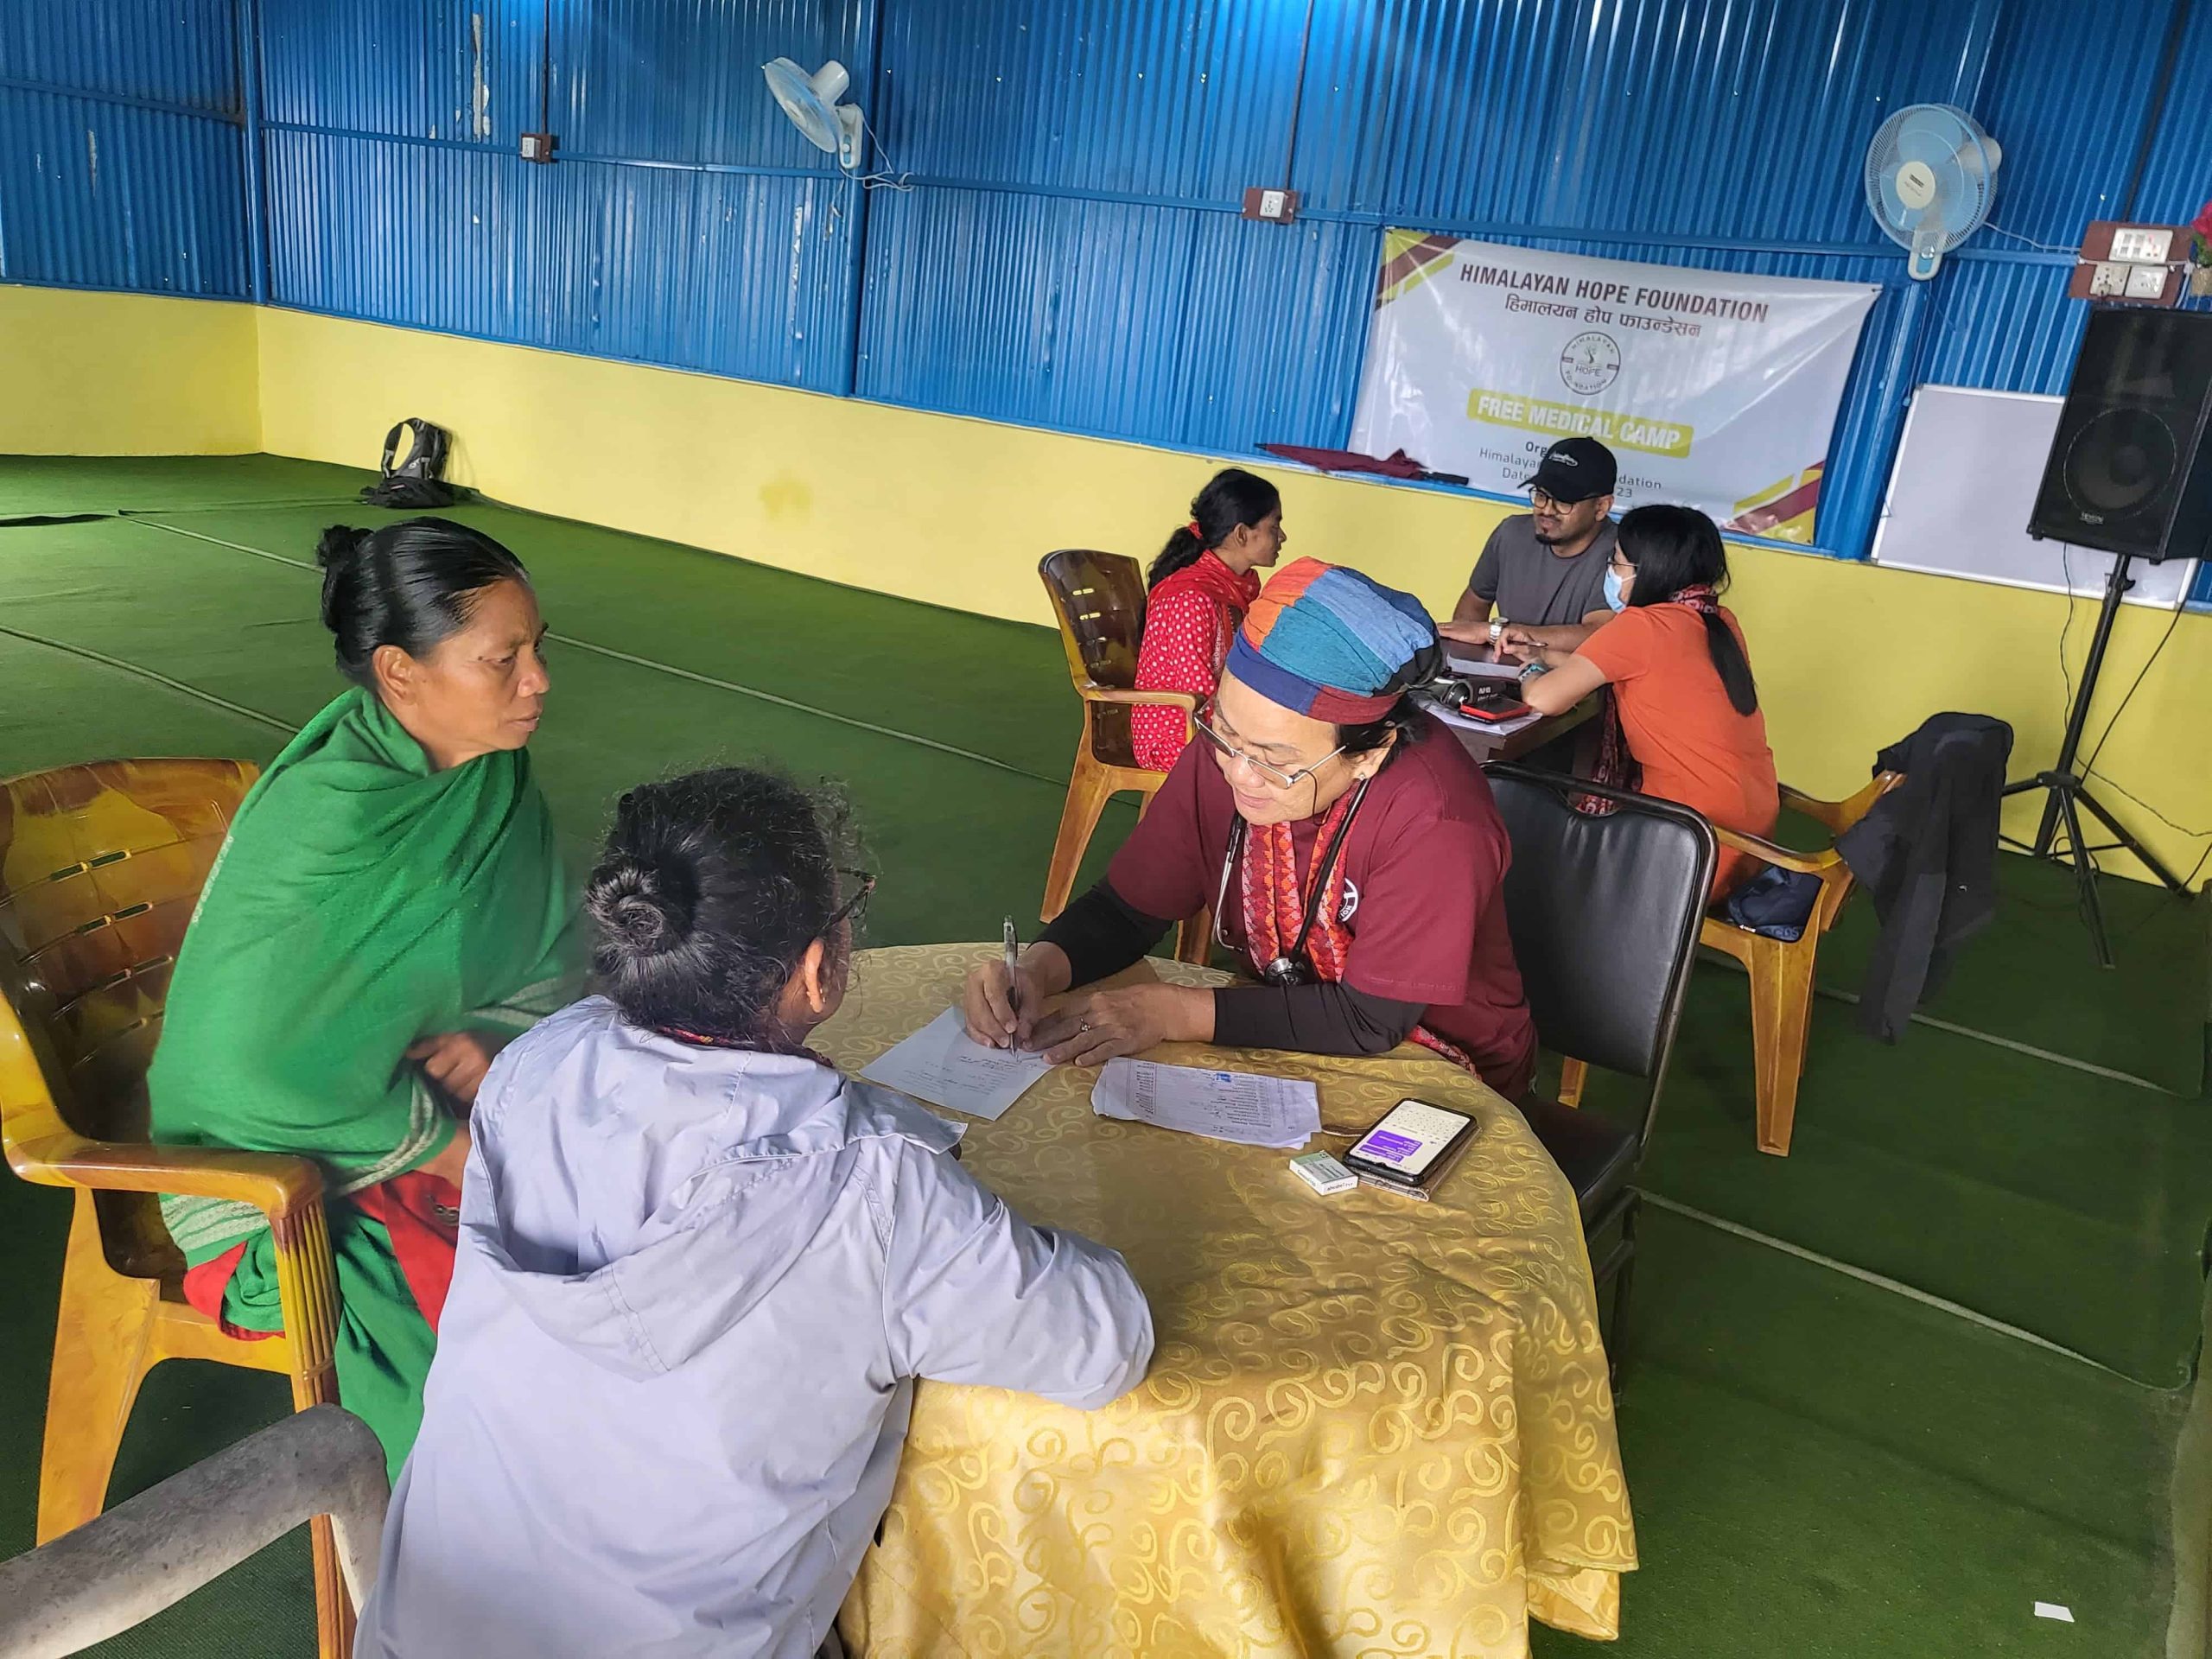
x=1780 y=971
x=1099 y=600
x=100 y=868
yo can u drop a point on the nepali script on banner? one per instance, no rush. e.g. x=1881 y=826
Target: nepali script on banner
x=1711 y=388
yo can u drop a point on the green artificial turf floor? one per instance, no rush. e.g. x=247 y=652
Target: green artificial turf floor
x=1821 y=1464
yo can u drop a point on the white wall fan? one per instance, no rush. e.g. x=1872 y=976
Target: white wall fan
x=1932 y=176
x=812 y=103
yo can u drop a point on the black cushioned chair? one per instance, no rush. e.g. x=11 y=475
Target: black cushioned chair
x=1604 y=911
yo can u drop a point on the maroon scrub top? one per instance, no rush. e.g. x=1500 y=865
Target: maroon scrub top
x=1424 y=862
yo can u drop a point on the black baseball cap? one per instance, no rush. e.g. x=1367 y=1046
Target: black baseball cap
x=1574 y=469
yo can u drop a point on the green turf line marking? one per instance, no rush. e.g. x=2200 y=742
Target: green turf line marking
x=2015 y=1045
x=807 y=708
x=1957 y=1309
x=1719 y=959
x=179 y=686
x=792 y=703
x=245 y=506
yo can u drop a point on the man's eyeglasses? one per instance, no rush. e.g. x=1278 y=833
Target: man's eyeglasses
x=854 y=908
x=1544 y=501
x=1272 y=774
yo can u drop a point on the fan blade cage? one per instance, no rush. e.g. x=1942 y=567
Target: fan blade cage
x=1962 y=157
x=795 y=92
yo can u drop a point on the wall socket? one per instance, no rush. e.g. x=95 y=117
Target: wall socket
x=1274 y=206
x=538 y=146
x=2130 y=264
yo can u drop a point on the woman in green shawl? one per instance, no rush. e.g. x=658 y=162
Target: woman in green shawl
x=388 y=904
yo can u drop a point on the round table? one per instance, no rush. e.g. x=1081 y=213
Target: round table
x=1372 y=1424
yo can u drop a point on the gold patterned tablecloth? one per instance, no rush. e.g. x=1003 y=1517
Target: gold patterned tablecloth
x=1371 y=1427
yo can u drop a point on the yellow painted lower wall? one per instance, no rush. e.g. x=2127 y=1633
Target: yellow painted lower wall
x=957 y=512
x=85 y=374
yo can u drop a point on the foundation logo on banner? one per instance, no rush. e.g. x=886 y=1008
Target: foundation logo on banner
x=1719 y=388
x=1591 y=362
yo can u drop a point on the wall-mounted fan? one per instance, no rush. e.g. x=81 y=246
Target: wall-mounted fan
x=812 y=103
x=1931 y=172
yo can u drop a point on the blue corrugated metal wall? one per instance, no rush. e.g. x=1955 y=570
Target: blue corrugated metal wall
x=121 y=163
x=1068 y=251
x=685 y=223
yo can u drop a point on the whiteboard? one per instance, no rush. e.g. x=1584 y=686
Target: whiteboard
x=1968 y=468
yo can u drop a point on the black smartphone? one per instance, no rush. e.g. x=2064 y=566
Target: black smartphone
x=1411 y=1139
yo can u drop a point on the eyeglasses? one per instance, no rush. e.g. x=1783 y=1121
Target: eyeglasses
x=854 y=908
x=1273 y=775
x=1544 y=501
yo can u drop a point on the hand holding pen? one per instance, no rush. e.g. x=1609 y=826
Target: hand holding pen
x=1001 y=996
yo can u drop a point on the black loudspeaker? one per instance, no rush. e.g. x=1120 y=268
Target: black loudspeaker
x=2131 y=468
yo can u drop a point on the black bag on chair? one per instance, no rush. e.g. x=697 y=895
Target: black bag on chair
x=419 y=481
x=1927 y=857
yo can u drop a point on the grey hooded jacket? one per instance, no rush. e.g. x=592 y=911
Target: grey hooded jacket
x=693 y=1289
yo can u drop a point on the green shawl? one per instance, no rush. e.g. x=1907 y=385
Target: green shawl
x=362 y=900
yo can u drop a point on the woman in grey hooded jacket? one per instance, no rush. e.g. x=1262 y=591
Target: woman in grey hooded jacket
x=699 y=1271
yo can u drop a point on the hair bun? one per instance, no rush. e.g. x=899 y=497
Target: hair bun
x=340 y=544
x=338 y=553
x=639 y=912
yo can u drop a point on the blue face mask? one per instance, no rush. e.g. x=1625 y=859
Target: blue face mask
x=1613 y=590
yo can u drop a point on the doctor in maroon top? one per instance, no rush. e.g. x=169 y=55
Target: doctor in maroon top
x=1349 y=848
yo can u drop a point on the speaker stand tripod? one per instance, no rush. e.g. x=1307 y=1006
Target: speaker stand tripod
x=2069 y=790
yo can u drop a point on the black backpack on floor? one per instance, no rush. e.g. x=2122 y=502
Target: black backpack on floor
x=419 y=481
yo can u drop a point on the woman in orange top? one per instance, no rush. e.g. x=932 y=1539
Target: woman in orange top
x=1202 y=585
x=1686 y=707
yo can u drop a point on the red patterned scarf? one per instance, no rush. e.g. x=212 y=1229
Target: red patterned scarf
x=1616 y=768
x=1232 y=596
x=1275 y=903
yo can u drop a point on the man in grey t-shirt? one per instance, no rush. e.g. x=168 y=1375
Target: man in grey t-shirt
x=1548 y=566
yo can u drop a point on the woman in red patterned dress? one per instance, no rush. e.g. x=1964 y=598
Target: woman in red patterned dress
x=1202 y=585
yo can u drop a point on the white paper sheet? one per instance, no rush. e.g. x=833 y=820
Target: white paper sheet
x=1499 y=726
x=1239 y=1106
x=942 y=1065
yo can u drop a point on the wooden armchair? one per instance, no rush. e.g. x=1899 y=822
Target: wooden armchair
x=1099 y=600
x=1782 y=970
x=100 y=868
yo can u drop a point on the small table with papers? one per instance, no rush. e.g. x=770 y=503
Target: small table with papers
x=1369 y=1424
x=1515 y=739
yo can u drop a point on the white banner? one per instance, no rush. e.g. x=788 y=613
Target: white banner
x=1711 y=388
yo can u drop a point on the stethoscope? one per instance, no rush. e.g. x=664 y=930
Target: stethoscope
x=1296 y=967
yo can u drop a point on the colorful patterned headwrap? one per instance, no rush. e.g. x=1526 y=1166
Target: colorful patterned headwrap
x=1324 y=640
